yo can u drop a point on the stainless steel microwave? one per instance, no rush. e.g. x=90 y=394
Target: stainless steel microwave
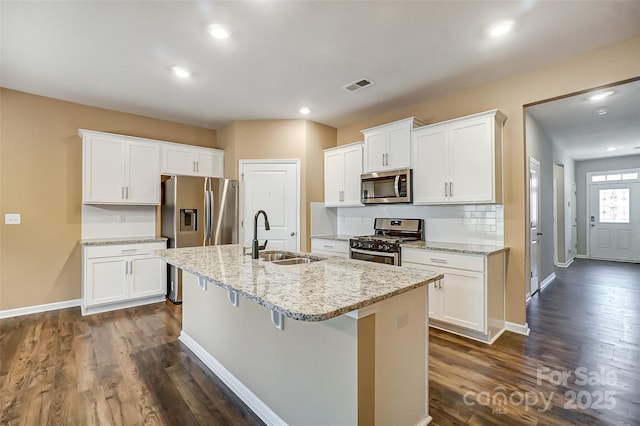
x=392 y=186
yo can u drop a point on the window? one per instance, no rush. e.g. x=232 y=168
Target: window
x=615 y=177
x=614 y=205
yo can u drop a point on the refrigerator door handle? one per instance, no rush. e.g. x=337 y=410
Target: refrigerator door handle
x=206 y=212
x=212 y=215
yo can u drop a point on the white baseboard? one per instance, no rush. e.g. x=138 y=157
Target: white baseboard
x=517 y=328
x=8 y=313
x=256 y=405
x=581 y=256
x=565 y=264
x=548 y=280
x=425 y=421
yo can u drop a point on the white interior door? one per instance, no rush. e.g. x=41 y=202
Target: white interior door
x=534 y=230
x=614 y=221
x=272 y=187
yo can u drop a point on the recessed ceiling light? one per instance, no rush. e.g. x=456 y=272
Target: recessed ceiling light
x=602 y=111
x=500 y=28
x=305 y=110
x=181 y=72
x=601 y=95
x=611 y=148
x=218 y=31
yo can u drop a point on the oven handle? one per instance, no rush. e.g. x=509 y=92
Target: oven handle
x=397 y=186
x=373 y=253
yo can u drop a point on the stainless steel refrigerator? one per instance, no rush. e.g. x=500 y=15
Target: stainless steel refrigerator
x=197 y=211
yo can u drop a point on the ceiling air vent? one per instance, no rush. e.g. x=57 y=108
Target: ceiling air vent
x=358 y=84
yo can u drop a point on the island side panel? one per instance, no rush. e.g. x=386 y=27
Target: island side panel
x=307 y=373
x=401 y=359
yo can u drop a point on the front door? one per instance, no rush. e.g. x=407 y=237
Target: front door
x=272 y=187
x=614 y=221
x=534 y=230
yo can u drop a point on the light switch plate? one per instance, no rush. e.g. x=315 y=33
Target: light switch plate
x=12 y=219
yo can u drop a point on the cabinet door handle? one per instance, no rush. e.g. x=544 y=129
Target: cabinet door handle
x=386 y=159
x=193 y=166
x=451 y=189
x=122 y=192
x=126 y=190
x=446 y=189
x=383 y=159
x=438 y=260
x=197 y=166
x=131 y=267
x=327 y=246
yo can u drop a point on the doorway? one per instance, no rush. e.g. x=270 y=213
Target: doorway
x=534 y=226
x=272 y=186
x=612 y=227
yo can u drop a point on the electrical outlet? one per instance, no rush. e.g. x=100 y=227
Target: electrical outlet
x=12 y=219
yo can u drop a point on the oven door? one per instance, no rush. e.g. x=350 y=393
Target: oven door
x=375 y=256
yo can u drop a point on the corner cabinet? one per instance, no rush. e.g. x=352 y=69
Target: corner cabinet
x=186 y=160
x=470 y=299
x=342 y=170
x=122 y=275
x=388 y=147
x=459 y=161
x=119 y=169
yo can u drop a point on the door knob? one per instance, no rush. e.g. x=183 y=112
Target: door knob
x=539 y=234
x=292 y=234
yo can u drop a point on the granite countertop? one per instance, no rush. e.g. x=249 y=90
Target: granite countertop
x=315 y=291
x=456 y=247
x=336 y=237
x=120 y=240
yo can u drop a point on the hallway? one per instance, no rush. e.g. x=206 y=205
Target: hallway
x=586 y=323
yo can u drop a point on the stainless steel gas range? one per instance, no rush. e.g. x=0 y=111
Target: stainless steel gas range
x=384 y=245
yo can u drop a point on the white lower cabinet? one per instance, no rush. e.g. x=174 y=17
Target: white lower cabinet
x=469 y=300
x=330 y=247
x=122 y=275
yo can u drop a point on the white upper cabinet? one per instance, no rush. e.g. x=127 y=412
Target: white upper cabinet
x=342 y=170
x=459 y=161
x=388 y=147
x=119 y=170
x=187 y=160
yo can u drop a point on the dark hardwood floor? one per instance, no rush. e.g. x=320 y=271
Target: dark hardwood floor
x=118 y=368
x=586 y=322
x=127 y=367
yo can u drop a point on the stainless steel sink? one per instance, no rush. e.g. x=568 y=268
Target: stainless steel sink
x=287 y=257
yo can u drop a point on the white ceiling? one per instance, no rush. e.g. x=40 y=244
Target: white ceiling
x=573 y=123
x=286 y=54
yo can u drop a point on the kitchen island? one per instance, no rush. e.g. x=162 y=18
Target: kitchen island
x=335 y=341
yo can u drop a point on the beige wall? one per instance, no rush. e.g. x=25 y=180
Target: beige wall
x=600 y=67
x=282 y=140
x=41 y=178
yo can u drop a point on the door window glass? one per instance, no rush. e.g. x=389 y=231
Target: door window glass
x=614 y=205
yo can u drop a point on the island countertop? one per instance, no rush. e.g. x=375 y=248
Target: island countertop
x=315 y=291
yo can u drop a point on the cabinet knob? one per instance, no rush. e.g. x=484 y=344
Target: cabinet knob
x=292 y=234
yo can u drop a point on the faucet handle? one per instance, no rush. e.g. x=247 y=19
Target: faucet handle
x=263 y=246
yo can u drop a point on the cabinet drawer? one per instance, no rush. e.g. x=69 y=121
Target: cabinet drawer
x=444 y=259
x=92 y=252
x=321 y=245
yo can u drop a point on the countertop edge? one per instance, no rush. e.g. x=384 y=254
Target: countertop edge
x=91 y=242
x=299 y=316
x=485 y=252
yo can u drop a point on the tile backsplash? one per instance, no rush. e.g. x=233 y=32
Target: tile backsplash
x=472 y=224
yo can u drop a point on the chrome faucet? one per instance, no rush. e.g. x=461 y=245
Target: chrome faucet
x=255 y=247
